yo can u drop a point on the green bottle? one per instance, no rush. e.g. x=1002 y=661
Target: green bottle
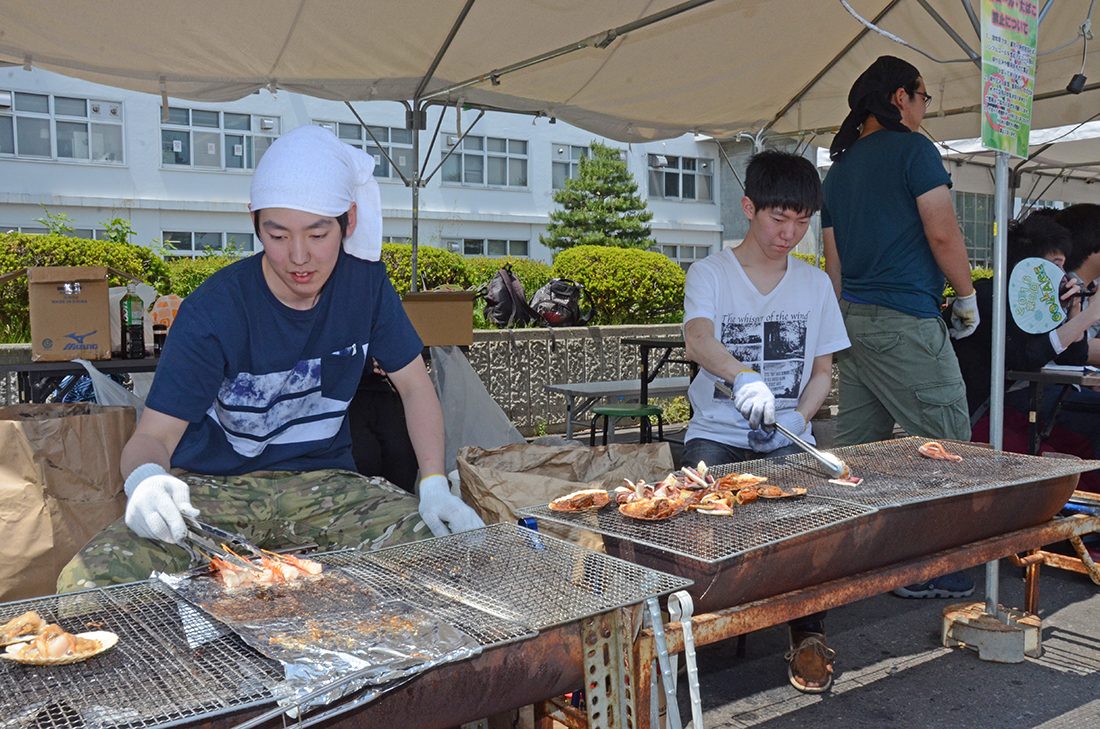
x=133 y=325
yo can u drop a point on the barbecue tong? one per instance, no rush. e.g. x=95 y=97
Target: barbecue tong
x=832 y=463
x=214 y=541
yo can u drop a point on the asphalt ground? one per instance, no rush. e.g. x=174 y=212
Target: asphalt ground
x=892 y=671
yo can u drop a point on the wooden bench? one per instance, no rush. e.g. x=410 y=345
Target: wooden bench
x=581 y=396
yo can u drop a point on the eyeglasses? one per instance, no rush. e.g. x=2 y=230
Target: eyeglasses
x=927 y=97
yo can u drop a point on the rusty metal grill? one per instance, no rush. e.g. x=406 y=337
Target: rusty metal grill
x=894 y=475
x=712 y=539
x=173 y=665
x=151 y=678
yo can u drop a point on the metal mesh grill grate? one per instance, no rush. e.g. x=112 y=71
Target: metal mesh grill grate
x=894 y=475
x=150 y=678
x=498 y=585
x=520 y=575
x=711 y=539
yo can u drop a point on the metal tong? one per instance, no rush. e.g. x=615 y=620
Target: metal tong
x=220 y=543
x=832 y=463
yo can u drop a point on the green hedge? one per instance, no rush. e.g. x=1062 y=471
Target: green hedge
x=188 y=273
x=23 y=250
x=435 y=267
x=532 y=274
x=627 y=286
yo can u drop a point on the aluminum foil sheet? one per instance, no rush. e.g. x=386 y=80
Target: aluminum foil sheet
x=329 y=629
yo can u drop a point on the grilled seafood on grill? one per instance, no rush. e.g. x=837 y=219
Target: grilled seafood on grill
x=736 y=481
x=53 y=646
x=936 y=451
x=654 y=508
x=21 y=628
x=583 y=500
x=774 y=492
x=272 y=569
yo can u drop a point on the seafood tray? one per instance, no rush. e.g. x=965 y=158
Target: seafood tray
x=173 y=664
x=907 y=506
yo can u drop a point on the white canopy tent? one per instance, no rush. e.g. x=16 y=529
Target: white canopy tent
x=631 y=70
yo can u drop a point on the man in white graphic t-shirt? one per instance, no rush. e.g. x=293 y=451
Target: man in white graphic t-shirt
x=768 y=325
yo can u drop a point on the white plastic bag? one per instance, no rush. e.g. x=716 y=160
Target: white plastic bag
x=470 y=415
x=109 y=392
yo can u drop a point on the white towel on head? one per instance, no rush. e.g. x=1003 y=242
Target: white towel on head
x=309 y=169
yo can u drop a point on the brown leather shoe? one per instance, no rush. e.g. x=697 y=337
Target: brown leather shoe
x=810 y=662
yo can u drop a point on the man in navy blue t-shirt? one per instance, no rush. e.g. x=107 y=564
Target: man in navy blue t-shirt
x=255 y=379
x=891 y=238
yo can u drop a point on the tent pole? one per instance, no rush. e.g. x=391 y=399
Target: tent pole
x=997 y=368
x=414 y=124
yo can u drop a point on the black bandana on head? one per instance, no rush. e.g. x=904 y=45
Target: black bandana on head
x=871 y=94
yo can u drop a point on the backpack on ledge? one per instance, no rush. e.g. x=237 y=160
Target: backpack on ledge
x=558 y=304
x=505 y=301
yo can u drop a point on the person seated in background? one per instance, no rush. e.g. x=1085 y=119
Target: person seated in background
x=1038 y=236
x=1083 y=223
x=380 y=441
x=767 y=324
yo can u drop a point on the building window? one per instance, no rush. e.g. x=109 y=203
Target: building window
x=41 y=126
x=215 y=139
x=685 y=255
x=85 y=233
x=680 y=178
x=396 y=142
x=566 y=163
x=187 y=243
x=488 y=247
x=486 y=161
x=976 y=212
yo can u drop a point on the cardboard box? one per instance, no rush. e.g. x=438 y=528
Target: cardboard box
x=70 y=316
x=442 y=318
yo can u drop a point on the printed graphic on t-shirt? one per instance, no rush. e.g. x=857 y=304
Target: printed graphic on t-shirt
x=256 y=411
x=774 y=345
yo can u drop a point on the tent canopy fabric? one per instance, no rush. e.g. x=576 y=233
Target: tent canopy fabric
x=716 y=67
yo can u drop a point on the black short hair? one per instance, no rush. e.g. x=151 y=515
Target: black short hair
x=341 y=220
x=783 y=181
x=1036 y=236
x=1083 y=223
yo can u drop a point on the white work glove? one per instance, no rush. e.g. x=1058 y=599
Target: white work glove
x=753 y=399
x=964 y=316
x=766 y=441
x=442 y=511
x=156 y=502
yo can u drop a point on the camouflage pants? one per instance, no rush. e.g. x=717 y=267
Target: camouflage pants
x=274 y=509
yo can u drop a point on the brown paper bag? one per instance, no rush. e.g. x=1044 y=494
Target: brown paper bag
x=59 y=485
x=499 y=481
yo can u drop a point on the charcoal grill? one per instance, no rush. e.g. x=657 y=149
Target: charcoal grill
x=907 y=506
x=155 y=676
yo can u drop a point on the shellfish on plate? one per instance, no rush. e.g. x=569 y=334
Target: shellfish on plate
x=54 y=647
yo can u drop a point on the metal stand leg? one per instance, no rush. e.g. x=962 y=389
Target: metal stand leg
x=607 y=667
x=680 y=609
x=672 y=709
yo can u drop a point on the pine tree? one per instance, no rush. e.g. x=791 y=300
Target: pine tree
x=600 y=206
